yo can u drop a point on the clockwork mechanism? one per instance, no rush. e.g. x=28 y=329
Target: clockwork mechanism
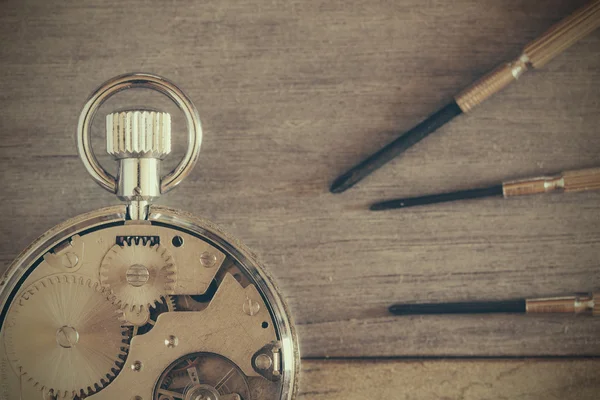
x=138 y=301
x=139 y=275
x=204 y=376
x=65 y=323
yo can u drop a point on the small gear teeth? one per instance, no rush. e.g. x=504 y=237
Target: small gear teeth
x=142 y=323
x=58 y=355
x=138 y=275
x=172 y=306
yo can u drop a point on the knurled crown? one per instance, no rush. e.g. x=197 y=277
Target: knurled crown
x=138 y=134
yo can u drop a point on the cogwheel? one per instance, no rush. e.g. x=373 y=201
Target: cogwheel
x=64 y=336
x=171 y=306
x=138 y=275
x=202 y=376
x=142 y=321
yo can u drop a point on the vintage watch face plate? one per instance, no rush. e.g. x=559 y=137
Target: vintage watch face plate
x=161 y=309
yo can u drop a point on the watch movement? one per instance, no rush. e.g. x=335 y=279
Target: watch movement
x=137 y=301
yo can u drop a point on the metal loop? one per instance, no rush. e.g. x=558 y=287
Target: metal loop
x=130 y=81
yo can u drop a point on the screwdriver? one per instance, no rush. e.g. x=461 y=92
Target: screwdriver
x=587 y=304
x=569 y=181
x=535 y=55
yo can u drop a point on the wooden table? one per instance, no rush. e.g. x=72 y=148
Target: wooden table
x=292 y=93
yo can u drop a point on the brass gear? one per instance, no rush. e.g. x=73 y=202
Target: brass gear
x=138 y=275
x=146 y=323
x=64 y=336
x=202 y=376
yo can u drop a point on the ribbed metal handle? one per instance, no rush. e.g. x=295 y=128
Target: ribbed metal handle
x=537 y=185
x=536 y=54
x=582 y=180
x=564 y=34
x=581 y=304
x=491 y=84
x=569 y=181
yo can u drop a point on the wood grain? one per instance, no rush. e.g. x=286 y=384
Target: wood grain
x=291 y=94
x=445 y=380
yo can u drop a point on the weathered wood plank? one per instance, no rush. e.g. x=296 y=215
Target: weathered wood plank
x=294 y=92
x=504 y=335
x=445 y=380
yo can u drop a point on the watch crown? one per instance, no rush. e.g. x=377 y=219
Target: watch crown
x=138 y=134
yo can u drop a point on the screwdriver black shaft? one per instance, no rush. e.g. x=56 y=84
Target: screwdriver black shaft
x=582 y=304
x=568 y=181
x=395 y=148
x=484 y=307
x=438 y=198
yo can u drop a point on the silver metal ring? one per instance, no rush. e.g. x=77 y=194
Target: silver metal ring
x=130 y=81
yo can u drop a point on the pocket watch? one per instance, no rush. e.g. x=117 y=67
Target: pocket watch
x=137 y=301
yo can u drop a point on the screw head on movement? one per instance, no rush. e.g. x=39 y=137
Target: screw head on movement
x=208 y=260
x=70 y=260
x=251 y=307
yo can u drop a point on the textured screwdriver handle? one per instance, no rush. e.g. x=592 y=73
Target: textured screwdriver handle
x=491 y=84
x=536 y=54
x=581 y=304
x=570 y=181
x=538 y=185
x=582 y=180
x=564 y=34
